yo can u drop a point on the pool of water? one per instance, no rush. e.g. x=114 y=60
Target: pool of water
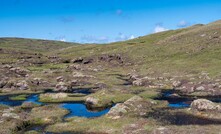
x=75 y=109
x=4 y=100
x=81 y=110
x=181 y=102
x=175 y=102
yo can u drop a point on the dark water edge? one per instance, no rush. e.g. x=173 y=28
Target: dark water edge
x=182 y=101
x=76 y=109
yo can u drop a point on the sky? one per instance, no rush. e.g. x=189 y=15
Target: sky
x=101 y=21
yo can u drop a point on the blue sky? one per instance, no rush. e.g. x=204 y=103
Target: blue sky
x=101 y=21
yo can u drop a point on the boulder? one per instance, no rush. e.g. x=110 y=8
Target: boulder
x=56 y=95
x=117 y=111
x=90 y=101
x=61 y=86
x=19 y=71
x=177 y=83
x=204 y=105
x=22 y=85
x=77 y=60
x=3 y=83
x=200 y=88
x=36 y=81
x=29 y=105
x=60 y=79
x=81 y=75
x=138 y=82
x=136 y=106
x=142 y=82
x=10 y=115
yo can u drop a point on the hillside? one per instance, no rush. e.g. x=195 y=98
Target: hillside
x=168 y=82
x=189 y=50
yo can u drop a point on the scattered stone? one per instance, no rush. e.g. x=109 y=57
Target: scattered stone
x=11 y=115
x=177 y=84
x=22 y=85
x=60 y=79
x=200 y=88
x=77 y=60
x=19 y=71
x=135 y=105
x=61 y=86
x=91 y=101
x=29 y=105
x=56 y=95
x=204 y=105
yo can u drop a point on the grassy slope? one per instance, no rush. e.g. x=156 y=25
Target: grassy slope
x=33 y=44
x=184 y=51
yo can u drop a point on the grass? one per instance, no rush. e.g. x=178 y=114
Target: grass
x=170 y=54
x=96 y=125
x=69 y=98
x=46 y=114
x=19 y=97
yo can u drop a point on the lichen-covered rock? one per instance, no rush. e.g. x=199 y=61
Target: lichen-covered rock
x=61 y=86
x=135 y=106
x=3 y=83
x=55 y=95
x=138 y=82
x=10 y=114
x=60 y=79
x=90 y=101
x=22 y=85
x=19 y=71
x=204 y=105
x=29 y=105
x=81 y=75
x=176 y=84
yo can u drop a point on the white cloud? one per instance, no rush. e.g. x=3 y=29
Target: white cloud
x=132 y=37
x=61 y=38
x=183 y=23
x=123 y=37
x=160 y=28
x=105 y=39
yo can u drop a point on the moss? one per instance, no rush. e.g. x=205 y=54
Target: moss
x=69 y=98
x=46 y=114
x=150 y=94
x=107 y=98
x=32 y=132
x=19 y=97
x=84 y=125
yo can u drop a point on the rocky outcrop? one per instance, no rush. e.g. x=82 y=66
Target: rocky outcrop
x=111 y=57
x=61 y=86
x=134 y=106
x=60 y=79
x=205 y=105
x=9 y=113
x=55 y=95
x=19 y=71
x=81 y=75
x=186 y=87
x=90 y=101
x=22 y=85
x=14 y=84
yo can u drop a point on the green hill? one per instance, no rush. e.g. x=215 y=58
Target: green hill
x=189 y=50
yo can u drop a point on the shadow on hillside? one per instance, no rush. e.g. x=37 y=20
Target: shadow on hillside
x=171 y=116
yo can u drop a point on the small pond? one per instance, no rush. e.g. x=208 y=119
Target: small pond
x=181 y=101
x=75 y=109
